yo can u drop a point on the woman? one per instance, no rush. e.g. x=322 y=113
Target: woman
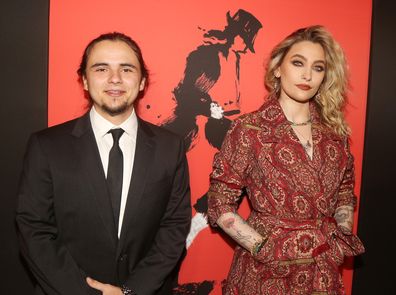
x=292 y=157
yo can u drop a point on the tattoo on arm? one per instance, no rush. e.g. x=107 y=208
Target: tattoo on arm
x=237 y=228
x=344 y=218
x=229 y=222
x=240 y=237
x=341 y=216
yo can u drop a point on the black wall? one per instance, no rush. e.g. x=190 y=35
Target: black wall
x=23 y=109
x=375 y=270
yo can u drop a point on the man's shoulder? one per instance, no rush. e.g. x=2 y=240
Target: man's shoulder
x=159 y=131
x=62 y=129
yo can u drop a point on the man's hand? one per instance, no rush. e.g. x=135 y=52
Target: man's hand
x=106 y=289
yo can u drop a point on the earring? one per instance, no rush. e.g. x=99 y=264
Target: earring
x=318 y=96
x=276 y=83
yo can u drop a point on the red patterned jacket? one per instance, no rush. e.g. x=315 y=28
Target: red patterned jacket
x=293 y=199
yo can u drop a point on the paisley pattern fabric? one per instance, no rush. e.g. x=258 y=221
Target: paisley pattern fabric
x=293 y=201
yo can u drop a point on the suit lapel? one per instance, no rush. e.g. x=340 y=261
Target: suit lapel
x=86 y=147
x=144 y=155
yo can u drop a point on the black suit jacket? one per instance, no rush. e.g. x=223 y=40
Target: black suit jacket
x=65 y=218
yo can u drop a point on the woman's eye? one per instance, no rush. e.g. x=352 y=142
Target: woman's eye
x=297 y=63
x=319 y=68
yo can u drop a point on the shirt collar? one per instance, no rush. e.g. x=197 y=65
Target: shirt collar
x=101 y=126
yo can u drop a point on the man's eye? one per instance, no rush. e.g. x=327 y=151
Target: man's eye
x=100 y=70
x=127 y=70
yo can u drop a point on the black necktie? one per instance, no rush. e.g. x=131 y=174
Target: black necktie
x=114 y=173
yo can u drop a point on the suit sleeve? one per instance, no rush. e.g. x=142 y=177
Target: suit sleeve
x=169 y=242
x=49 y=260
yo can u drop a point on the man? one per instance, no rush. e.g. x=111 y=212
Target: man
x=104 y=200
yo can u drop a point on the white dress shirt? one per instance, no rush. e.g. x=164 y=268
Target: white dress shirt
x=104 y=140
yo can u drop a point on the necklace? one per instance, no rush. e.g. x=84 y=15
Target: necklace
x=307 y=146
x=305 y=123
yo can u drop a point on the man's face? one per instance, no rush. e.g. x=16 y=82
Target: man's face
x=113 y=78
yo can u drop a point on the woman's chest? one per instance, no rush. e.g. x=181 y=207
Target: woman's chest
x=283 y=177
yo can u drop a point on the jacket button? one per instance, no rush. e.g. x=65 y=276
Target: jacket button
x=123 y=257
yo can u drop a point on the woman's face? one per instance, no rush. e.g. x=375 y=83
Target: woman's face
x=302 y=71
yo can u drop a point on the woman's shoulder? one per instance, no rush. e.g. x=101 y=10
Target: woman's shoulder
x=268 y=114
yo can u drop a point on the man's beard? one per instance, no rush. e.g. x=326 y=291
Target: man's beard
x=114 y=111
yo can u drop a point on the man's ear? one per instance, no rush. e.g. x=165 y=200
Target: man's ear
x=85 y=83
x=142 y=84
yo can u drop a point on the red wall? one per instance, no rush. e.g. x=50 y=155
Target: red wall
x=167 y=32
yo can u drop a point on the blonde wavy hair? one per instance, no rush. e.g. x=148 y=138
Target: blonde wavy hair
x=331 y=97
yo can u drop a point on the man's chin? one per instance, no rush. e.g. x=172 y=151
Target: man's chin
x=115 y=111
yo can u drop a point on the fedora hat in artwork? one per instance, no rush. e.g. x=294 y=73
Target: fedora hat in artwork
x=244 y=24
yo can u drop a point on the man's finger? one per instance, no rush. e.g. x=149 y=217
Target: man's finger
x=95 y=284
